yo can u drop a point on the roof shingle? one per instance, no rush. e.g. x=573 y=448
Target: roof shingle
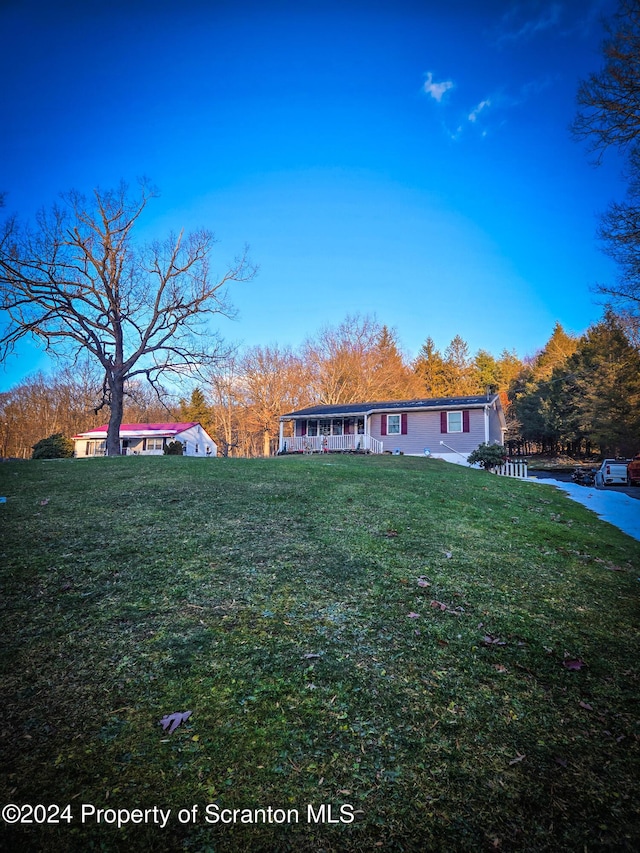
x=338 y=409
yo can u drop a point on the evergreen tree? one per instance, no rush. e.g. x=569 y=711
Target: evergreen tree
x=197 y=410
x=486 y=372
x=429 y=368
x=602 y=389
x=591 y=398
x=458 y=368
x=555 y=352
x=392 y=378
x=533 y=413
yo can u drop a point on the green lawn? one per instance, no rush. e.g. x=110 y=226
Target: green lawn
x=447 y=657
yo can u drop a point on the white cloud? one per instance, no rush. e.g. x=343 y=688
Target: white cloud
x=475 y=112
x=436 y=90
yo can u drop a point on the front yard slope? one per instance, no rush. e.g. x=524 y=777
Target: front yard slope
x=448 y=657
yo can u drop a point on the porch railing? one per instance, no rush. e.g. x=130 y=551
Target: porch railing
x=512 y=469
x=329 y=443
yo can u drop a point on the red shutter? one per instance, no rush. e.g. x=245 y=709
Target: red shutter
x=465 y=421
x=383 y=424
x=443 y=421
x=403 y=423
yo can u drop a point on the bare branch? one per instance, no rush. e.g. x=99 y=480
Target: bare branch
x=78 y=283
x=609 y=100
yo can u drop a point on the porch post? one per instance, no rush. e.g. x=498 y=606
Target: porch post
x=281 y=437
x=365 y=437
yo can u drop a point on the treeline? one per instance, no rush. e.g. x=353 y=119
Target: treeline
x=580 y=395
x=576 y=394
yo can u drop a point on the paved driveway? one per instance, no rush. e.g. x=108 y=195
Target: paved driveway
x=632 y=491
x=621 y=510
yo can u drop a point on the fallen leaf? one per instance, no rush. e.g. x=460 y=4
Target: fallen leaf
x=586 y=706
x=174 y=720
x=438 y=605
x=311 y=655
x=499 y=667
x=448 y=555
x=423 y=582
x=413 y=615
x=493 y=641
x=443 y=643
x=517 y=759
x=44 y=502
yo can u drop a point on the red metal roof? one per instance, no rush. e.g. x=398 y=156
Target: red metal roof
x=140 y=429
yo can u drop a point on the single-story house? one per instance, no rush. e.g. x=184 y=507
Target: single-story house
x=447 y=428
x=147 y=440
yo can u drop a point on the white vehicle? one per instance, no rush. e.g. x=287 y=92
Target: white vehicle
x=612 y=472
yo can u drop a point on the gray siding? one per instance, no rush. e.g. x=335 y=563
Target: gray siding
x=495 y=431
x=423 y=430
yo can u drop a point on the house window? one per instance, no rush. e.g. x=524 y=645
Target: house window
x=393 y=425
x=337 y=426
x=96 y=448
x=312 y=427
x=325 y=427
x=360 y=426
x=454 y=421
x=154 y=444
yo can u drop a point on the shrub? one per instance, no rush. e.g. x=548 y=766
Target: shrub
x=54 y=447
x=488 y=456
x=174 y=448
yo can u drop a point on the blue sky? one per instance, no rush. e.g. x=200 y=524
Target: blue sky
x=410 y=160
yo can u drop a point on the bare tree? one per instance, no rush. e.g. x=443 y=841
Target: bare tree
x=223 y=386
x=619 y=232
x=78 y=283
x=609 y=117
x=274 y=382
x=41 y=405
x=358 y=360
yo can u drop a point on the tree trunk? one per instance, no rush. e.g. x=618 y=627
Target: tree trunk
x=266 y=443
x=116 y=386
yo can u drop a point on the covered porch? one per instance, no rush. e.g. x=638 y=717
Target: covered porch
x=327 y=435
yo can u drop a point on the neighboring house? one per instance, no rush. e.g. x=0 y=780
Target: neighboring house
x=147 y=440
x=448 y=428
